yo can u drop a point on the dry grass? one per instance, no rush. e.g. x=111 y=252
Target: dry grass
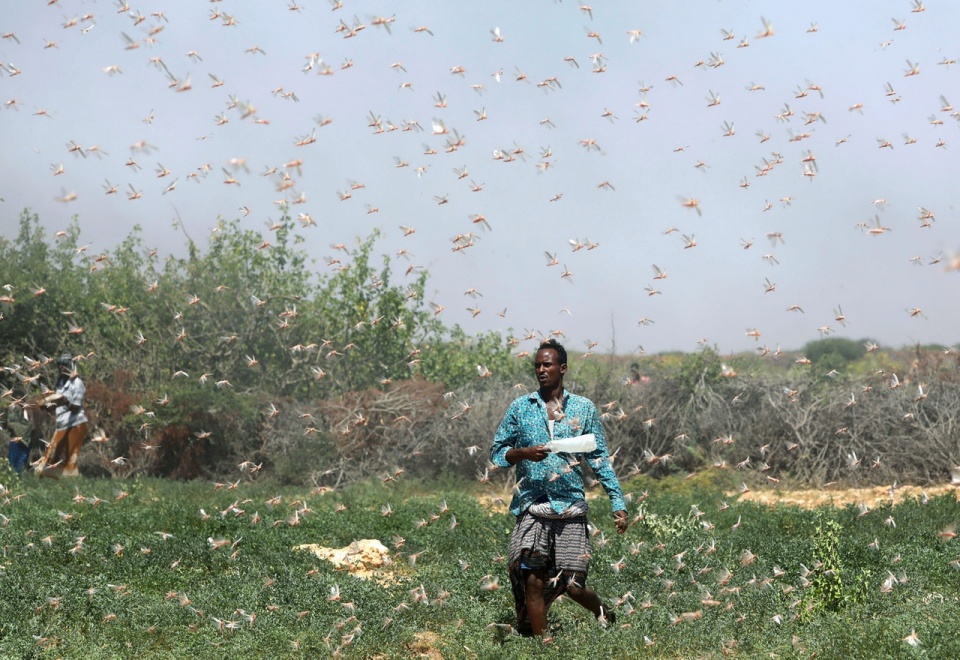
x=425 y=646
x=497 y=498
x=841 y=497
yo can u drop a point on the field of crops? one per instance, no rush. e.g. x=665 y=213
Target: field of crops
x=101 y=569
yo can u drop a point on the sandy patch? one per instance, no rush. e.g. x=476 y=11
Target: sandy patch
x=494 y=503
x=807 y=498
x=424 y=645
x=364 y=558
x=841 y=497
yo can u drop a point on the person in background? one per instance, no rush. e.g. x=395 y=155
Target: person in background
x=18 y=424
x=60 y=459
x=635 y=377
x=549 y=551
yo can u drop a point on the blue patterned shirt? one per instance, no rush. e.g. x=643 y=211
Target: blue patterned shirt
x=559 y=477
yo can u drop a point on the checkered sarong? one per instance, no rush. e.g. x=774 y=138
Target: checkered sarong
x=557 y=547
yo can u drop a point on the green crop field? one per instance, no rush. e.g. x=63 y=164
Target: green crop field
x=161 y=569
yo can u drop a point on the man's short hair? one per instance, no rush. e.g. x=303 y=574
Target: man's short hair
x=557 y=346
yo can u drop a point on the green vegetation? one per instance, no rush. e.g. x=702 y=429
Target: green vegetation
x=837 y=350
x=237 y=352
x=337 y=406
x=104 y=569
x=251 y=351
x=324 y=373
x=251 y=312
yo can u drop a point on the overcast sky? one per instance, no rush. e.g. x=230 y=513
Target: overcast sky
x=752 y=128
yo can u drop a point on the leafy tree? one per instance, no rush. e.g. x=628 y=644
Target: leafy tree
x=458 y=359
x=842 y=350
x=700 y=369
x=45 y=285
x=239 y=331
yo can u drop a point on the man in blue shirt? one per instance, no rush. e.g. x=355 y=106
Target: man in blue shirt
x=549 y=547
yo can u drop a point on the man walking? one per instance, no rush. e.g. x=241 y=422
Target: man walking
x=549 y=547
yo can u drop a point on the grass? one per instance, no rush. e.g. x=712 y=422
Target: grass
x=128 y=589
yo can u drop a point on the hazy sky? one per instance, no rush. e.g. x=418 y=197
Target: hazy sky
x=567 y=124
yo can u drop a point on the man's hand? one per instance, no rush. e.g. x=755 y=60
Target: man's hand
x=53 y=400
x=535 y=454
x=620 y=519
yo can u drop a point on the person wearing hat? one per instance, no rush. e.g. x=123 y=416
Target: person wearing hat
x=60 y=459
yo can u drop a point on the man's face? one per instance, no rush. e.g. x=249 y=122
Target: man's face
x=547 y=368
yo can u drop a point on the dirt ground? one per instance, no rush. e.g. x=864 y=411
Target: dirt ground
x=806 y=498
x=841 y=497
